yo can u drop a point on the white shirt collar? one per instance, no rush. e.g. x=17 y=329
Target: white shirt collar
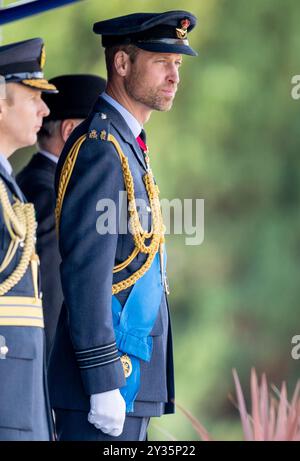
x=131 y=121
x=6 y=165
x=50 y=156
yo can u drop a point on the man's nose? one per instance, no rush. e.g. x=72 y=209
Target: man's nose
x=44 y=109
x=174 y=74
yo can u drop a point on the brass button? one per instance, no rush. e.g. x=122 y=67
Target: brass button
x=3 y=350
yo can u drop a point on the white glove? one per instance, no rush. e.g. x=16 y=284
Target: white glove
x=108 y=411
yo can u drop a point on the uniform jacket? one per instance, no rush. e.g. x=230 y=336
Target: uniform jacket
x=24 y=405
x=37 y=183
x=84 y=359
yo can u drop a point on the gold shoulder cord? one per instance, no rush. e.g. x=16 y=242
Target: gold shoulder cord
x=65 y=176
x=156 y=235
x=139 y=234
x=20 y=221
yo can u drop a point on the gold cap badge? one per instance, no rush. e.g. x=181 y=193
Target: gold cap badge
x=182 y=33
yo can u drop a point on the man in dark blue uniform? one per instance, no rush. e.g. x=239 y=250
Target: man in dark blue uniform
x=75 y=100
x=24 y=406
x=111 y=367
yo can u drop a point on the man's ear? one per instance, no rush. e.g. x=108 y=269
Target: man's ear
x=67 y=126
x=121 y=63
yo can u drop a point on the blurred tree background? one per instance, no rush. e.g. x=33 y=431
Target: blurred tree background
x=232 y=139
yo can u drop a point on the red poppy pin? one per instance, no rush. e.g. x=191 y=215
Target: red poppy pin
x=182 y=32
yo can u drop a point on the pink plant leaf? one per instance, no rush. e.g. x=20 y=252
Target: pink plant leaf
x=232 y=400
x=264 y=406
x=206 y=437
x=295 y=397
x=280 y=433
x=255 y=397
x=293 y=424
x=272 y=420
x=242 y=408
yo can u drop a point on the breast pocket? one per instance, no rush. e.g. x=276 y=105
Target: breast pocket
x=17 y=388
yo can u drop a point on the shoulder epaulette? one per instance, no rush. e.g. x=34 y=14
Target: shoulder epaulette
x=99 y=128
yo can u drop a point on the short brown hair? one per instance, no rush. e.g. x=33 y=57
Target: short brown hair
x=111 y=51
x=49 y=130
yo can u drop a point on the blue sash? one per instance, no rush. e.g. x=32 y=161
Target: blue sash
x=133 y=324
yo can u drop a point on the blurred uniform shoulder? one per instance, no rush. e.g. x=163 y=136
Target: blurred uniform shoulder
x=87 y=136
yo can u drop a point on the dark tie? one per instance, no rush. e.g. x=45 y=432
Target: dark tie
x=143 y=135
x=141 y=139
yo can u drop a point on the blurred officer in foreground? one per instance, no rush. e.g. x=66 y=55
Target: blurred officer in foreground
x=24 y=405
x=111 y=367
x=75 y=100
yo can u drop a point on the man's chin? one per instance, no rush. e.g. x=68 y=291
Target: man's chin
x=164 y=107
x=30 y=141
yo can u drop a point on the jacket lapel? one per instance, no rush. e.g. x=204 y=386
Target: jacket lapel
x=122 y=128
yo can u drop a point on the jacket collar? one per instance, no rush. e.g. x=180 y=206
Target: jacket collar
x=121 y=127
x=39 y=160
x=10 y=181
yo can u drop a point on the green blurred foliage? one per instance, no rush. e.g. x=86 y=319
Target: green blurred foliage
x=231 y=139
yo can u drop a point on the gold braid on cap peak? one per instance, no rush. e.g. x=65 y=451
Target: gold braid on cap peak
x=39 y=83
x=156 y=234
